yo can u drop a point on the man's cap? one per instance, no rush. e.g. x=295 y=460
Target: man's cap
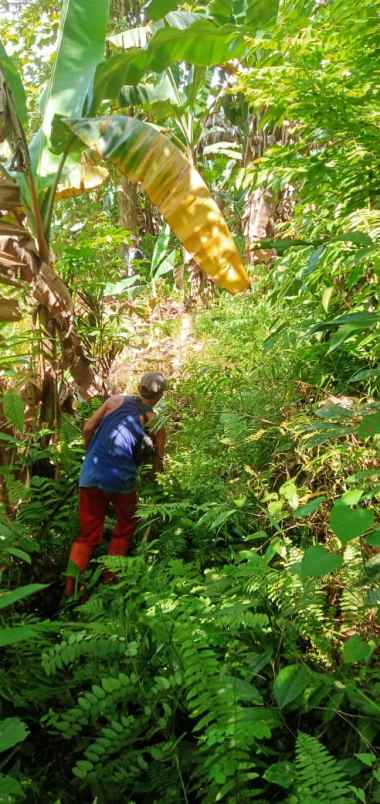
x=153 y=384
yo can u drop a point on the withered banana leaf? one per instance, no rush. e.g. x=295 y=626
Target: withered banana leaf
x=144 y=155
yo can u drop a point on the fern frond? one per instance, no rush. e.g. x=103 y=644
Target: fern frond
x=319 y=778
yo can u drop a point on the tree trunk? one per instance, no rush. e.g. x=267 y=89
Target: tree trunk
x=129 y=219
x=258 y=224
x=22 y=261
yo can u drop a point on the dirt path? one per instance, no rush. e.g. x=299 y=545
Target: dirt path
x=164 y=344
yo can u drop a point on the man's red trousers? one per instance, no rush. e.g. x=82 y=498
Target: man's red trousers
x=93 y=504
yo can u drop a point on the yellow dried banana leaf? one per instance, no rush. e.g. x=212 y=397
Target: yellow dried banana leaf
x=144 y=155
x=81 y=176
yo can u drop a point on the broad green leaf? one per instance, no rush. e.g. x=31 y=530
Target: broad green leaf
x=145 y=155
x=373 y=539
x=202 y=43
x=10 y=73
x=317 y=561
x=367 y=759
x=352 y=497
x=251 y=13
x=80 y=48
x=17 y=553
x=11 y=636
x=145 y=94
x=10 y=598
x=290 y=683
x=370 y=425
x=10 y=789
x=13 y=407
x=334 y=411
x=157 y=9
x=12 y=731
x=309 y=507
x=355 y=649
x=280 y=773
x=349 y=523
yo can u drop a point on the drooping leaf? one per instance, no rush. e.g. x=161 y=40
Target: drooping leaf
x=355 y=649
x=12 y=731
x=13 y=407
x=317 y=561
x=80 y=49
x=349 y=523
x=10 y=73
x=21 y=554
x=144 y=155
x=80 y=176
x=10 y=598
x=290 y=683
x=202 y=43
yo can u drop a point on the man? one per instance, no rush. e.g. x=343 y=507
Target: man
x=116 y=443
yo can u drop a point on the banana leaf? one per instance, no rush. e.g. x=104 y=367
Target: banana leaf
x=146 y=94
x=203 y=43
x=144 y=155
x=9 y=71
x=81 y=47
x=159 y=8
x=249 y=13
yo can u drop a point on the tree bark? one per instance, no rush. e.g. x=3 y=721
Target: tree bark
x=22 y=261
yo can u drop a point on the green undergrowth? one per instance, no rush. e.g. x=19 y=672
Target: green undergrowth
x=236 y=657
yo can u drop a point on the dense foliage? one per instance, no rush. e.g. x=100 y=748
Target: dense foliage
x=237 y=656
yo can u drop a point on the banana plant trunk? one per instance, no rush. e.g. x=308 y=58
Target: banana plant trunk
x=19 y=259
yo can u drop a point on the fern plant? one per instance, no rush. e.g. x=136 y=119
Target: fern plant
x=319 y=777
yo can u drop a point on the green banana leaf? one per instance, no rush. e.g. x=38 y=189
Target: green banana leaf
x=146 y=94
x=81 y=47
x=139 y=37
x=144 y=155
x=203 y=43
x=159 y=8
x=8 y=68
x=249 y=13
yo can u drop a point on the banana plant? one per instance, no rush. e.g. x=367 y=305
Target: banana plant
x=52 y=165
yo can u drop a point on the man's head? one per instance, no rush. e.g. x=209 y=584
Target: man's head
x=152 y=386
